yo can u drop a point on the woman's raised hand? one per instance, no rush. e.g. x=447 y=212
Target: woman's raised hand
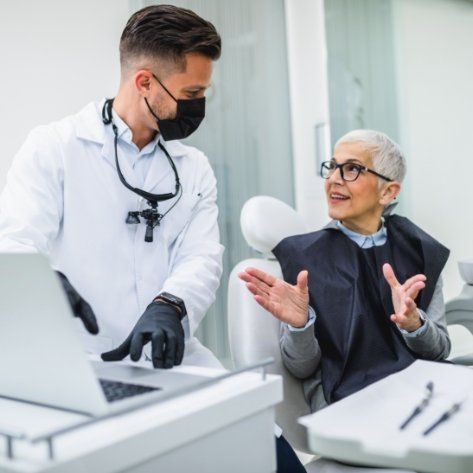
x=286 y=302
x=406 y=316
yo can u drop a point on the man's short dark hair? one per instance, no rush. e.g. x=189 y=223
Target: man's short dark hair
x=168 y=32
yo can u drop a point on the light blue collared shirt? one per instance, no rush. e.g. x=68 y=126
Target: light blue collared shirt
x=364 y=241
x=139 y=160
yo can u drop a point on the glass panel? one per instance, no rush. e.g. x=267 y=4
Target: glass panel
x=246 y=133
x=361 y=66
x=363 y=90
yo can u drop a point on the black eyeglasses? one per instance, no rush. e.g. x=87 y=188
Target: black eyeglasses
x=349 y=171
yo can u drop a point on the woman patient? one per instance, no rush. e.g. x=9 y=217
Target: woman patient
x=361 y=298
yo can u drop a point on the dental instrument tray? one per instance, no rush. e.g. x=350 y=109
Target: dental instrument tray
x=420 y=418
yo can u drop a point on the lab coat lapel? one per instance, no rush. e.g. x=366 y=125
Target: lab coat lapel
x=108 y=154
x=90 y=127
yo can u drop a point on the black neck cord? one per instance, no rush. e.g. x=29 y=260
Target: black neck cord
x=151 y=215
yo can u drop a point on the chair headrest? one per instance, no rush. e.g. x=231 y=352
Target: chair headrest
x=466 y=270
x=265 y=221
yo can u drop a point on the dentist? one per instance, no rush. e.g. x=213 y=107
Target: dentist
x=125 y=212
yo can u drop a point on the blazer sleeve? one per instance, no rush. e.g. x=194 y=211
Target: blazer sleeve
x=432 y=341
x=300 y=351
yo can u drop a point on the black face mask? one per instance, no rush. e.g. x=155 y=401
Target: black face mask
x=189 y=116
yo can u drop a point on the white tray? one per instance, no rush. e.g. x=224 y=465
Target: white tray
x=364 y=428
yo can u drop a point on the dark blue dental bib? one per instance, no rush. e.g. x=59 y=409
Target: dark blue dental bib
x=352 y=300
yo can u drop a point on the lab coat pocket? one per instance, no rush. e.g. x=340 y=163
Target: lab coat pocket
x=178 y=216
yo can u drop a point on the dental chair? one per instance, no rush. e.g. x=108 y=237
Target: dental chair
x=459 y=315
x=253 y=333
x=459 y=310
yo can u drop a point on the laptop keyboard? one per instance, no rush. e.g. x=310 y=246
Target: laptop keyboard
x=115 y=390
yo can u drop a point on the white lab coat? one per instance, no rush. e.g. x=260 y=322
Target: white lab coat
x=63 y=198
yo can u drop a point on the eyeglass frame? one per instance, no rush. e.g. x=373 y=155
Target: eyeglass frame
x=361 y=168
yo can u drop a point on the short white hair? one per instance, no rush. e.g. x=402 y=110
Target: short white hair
x=387 y=156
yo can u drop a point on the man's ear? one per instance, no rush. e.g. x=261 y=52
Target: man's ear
x=142 y=80
x=389 y=192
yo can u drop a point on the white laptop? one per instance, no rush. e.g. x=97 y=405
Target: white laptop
x=41 y=356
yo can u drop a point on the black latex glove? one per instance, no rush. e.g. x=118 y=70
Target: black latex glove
x=80 y=307
x=160 y=324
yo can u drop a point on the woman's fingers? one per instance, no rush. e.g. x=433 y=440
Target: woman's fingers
x=411 y=306
x=414 y=289
x=254 y=289
x=389 y=276
x=399 y=319
x=412 y=284
x=255 y=281
x=404 y=317
x=408 y=285
x=303 y=280
x=409 y=282
x=262 y=276
x=245 y=276
x=254 y=276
